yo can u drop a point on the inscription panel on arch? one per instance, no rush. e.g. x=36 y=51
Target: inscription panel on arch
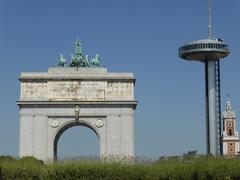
x=77 y=90
x=120 y=90
x=36 y=90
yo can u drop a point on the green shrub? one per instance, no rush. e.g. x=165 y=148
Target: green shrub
x=25 y=168
x=6 y=158
x=201 y=167
x=31 y=160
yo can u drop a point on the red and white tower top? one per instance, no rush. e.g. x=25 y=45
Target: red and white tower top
x=230 y=133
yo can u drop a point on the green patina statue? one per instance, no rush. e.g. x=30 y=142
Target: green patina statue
x=78 y=59
x=96 y=61
x=61 y=61
x=78 y=47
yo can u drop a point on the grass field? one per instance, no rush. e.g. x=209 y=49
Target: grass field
x=183 y=167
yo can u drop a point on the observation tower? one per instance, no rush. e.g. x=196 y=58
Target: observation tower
x=209 y=51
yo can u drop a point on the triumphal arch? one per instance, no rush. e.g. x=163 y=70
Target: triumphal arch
x=76 y=93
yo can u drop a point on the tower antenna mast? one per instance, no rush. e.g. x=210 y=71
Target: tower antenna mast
x=209 y=19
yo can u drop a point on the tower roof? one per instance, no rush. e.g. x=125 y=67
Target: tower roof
x=229 y=113
x=229 y=105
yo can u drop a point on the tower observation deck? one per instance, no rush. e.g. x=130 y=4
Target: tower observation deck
x=204 y=50
x=209 y=51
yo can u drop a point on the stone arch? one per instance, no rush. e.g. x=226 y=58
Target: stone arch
x=68 y=125
x=49 y=99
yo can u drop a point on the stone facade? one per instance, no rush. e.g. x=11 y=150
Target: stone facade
x=230 y=134
x=48 y=103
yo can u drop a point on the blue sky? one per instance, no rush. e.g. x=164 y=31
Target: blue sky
x=139 y=36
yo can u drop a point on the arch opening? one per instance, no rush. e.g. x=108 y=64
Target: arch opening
x=71 y=129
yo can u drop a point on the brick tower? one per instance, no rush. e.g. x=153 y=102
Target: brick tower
x=230 y=133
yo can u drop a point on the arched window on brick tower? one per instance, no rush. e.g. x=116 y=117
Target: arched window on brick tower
x=230 y=134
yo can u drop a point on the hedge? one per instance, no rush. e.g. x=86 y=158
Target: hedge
x=197 y=168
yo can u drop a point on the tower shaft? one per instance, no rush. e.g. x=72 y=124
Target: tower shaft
x=211 y=120
x=218 y=108
x=207 y=109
